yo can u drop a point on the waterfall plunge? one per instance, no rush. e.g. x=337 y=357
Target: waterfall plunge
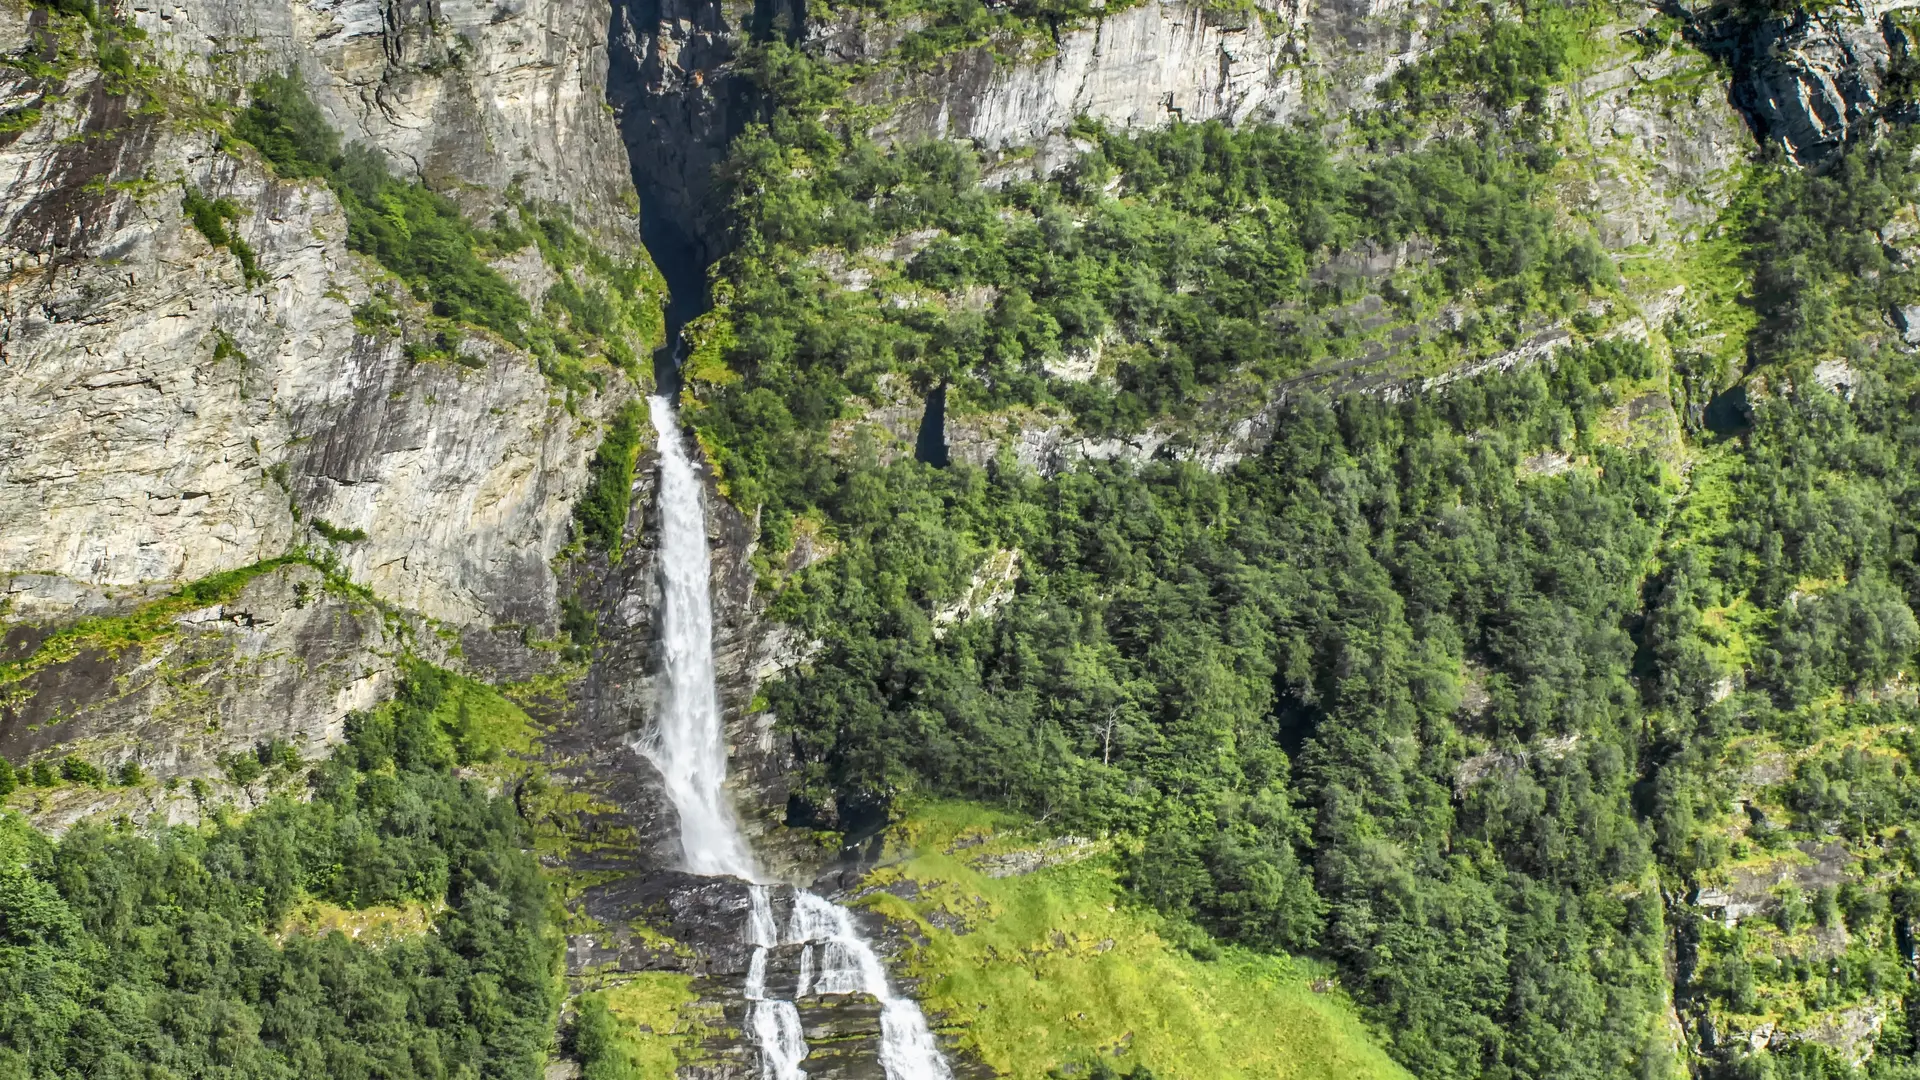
x=688 y=747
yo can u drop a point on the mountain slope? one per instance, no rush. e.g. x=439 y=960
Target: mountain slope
x=1395 y=518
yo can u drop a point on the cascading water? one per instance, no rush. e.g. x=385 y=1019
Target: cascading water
x=688 y=747
x=848 y=964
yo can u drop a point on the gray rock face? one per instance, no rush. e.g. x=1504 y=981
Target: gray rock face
x=679 y=100
x=1669 y=141
x=163 y=418
x=1815 y=79
x=705 y=919
x=467 y=92
x=1142 y=67
x=286 y=658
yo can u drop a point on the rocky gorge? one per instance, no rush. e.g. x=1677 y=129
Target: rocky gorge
x=243 y=492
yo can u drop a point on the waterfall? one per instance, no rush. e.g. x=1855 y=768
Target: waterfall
x=847 y=964
x=688 y=747
x=775 y=1023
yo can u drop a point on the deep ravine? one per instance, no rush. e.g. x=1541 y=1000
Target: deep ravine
x=688 y=748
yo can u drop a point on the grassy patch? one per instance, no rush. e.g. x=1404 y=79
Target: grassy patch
x=380 y=924
x=477 y=725
x=482 y=723
x=556 y=814
x=1055 y=968
x=646 y=1026
x=142 y=626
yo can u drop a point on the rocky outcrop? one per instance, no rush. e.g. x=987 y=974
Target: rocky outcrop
x=1142 y=67
x=678 y=922
x=168 y=413
x=679 y=98
x=172 y=411
x=475 y=96
x=1813 y=79
x=1665 y=145
x=285 y=659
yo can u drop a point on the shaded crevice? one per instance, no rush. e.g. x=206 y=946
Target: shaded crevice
x=678 y=104
x=677 y=256
x=1805 y=82
x=931 y=444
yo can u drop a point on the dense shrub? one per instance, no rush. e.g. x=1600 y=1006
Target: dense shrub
x=123 y=954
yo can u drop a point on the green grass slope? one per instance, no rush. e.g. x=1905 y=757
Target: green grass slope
x=1052 y=967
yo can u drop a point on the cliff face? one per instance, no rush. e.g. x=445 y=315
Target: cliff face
x=286 y=657
x=168 y=412
x=673 y=89
x=483 y=96
x=1142 y=67
x=1811 y=80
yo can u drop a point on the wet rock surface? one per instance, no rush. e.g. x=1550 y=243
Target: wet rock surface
x=668 y=920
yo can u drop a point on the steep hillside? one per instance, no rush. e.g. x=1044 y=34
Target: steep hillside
x=1248 y=539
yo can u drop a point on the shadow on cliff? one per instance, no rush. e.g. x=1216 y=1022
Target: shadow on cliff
x=1806 y=83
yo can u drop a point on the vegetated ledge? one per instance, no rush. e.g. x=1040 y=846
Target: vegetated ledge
x=174 y=689
x=147 y=623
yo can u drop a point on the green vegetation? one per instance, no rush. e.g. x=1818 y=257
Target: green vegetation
x=80 y=9
x=1260 y=676
x=274 y=756
x=212 y=219
x=599 y=307
x=645 y=1026
x=599 y=304
x=77 y=770
x=145 y=625
x=130 y=955
x=1453 y=692
x=600 y=517
x=416 y=233
x=1522 y=715
x=481 y=726
x=1823 y=280
x=1021 y=27
x=1494 y=66
x=1182 y=257
x=1056 y=966
x=337 y=534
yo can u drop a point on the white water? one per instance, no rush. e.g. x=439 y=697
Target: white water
x=688 y=746
x=776 y=1024
x=847 y=964
x=689 y=749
